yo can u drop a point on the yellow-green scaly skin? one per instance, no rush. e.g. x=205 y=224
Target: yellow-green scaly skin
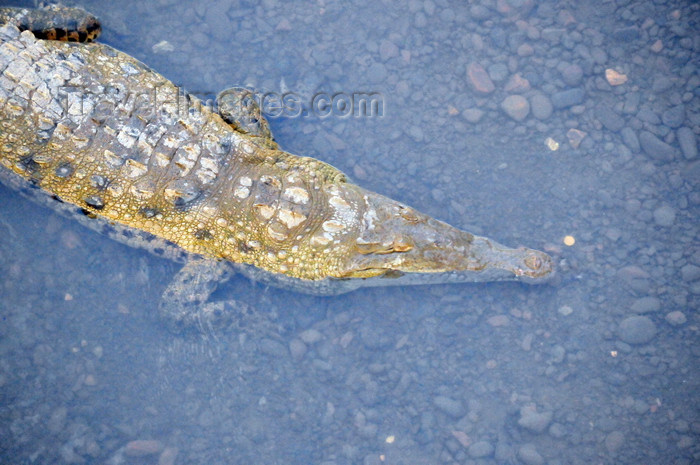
x=97 y=129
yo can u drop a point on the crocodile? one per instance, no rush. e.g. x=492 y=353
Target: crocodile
x=100 y=136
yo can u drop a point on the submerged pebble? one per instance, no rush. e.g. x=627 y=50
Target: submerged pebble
x=676 y=318
x=528 y=454
x=481 y=449
x=451 y=407
x=533 y=420
x=688 y=143
x=516 y=106
x=665 y=215
x=637 y=330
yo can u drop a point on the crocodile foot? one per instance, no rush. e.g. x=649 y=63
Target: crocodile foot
x=185 y=303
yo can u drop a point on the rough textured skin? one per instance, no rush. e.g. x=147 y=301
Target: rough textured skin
x=100 y=131
x=54 y=22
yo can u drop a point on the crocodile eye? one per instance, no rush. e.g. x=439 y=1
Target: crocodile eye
x=533 y=262
x=398 y=244
x=408 y=215
x=402 y=244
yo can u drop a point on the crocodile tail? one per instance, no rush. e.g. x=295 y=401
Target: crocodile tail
x=54 y=22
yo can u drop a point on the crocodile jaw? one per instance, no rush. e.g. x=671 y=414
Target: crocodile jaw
x=399 y=242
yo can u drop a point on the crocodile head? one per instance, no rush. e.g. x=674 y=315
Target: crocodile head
x=396 y=241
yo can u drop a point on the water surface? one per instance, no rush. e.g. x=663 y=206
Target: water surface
x=599 y=366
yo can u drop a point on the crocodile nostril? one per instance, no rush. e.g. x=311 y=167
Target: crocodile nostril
x=533 y=262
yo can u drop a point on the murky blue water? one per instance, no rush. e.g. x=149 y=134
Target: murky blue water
x=598 y=367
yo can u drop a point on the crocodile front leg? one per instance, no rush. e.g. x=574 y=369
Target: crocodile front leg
x=185 y=302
